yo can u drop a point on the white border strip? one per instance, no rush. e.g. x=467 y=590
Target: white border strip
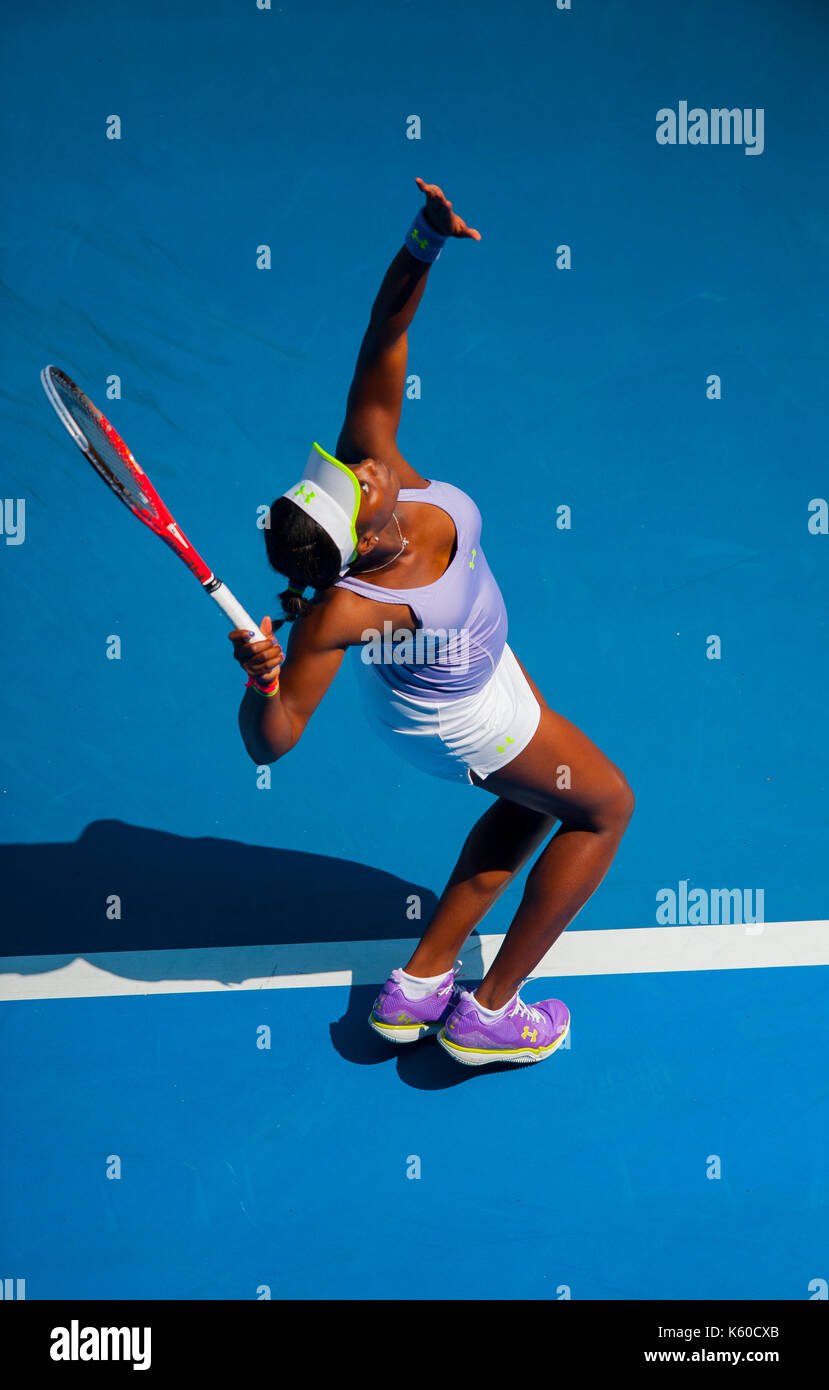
x=632 y=951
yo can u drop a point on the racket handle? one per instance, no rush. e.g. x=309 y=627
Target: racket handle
x=232 y=609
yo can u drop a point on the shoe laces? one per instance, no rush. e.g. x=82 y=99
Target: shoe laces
x=452 y=986
x=524 y=1011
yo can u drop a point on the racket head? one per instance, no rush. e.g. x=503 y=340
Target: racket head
x=103 y=446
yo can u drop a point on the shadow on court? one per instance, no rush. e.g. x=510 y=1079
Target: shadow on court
x=422 y=1065
x=212 y=909
x=191 y=894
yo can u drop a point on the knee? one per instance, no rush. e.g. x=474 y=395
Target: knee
x=613 y=808
x=608 y=809
x=620 y=803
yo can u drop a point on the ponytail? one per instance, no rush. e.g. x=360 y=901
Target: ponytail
x=298 y=547
x=294 y=605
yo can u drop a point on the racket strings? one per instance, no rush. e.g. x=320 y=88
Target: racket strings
x=107 y=451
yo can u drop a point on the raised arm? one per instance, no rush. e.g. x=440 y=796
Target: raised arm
x=272 y=722
x=375 y=400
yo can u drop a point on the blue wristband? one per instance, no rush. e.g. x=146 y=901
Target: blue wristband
x=422 y=241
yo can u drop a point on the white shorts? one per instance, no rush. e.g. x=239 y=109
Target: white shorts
x=479 y=733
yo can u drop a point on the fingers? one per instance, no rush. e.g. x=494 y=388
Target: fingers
x=241 y=641
x=432 y=191
x=244 y=634
x=265 y=665
x=240 y=634
x=459 y=227
x=257 y=658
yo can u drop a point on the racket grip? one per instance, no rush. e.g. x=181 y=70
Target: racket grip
x=232 y=609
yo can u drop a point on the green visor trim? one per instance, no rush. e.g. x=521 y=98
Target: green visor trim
x=330 y=493
x=349 y=498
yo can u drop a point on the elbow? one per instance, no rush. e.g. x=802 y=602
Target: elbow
x=263 y=757
x=263 y=751
x=259 y=761
x=265 y=754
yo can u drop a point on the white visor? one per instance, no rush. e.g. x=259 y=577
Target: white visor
x=330 y=492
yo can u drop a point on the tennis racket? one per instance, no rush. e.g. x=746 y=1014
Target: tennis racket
x=112 y=460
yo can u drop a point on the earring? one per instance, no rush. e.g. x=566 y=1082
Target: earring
x=365 y=487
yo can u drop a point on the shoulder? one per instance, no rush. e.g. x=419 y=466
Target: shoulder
x=457 y=499
x=409 y=476
x=337 y=620
x=349 y=451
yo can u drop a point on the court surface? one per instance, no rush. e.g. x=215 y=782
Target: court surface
x=193 y=1105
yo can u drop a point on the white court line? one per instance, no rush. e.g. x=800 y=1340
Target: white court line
x=627 y=951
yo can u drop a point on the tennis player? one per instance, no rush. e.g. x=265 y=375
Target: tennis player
x=398 y=573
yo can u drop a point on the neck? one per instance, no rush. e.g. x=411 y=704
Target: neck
x=389 y=545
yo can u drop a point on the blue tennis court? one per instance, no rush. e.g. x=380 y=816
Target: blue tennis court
x=628 y=375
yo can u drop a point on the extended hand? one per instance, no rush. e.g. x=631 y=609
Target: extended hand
x=439 y=213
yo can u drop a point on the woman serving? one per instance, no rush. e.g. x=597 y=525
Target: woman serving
x=387 y=551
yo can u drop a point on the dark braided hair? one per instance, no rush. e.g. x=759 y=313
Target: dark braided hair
x=298 y=547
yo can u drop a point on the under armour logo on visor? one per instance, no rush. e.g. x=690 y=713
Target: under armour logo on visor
x=305 y=495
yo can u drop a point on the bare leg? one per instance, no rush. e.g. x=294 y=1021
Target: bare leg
x=594 y=812
x=496 y=849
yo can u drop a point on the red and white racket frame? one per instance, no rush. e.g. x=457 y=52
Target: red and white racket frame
x=163 y=523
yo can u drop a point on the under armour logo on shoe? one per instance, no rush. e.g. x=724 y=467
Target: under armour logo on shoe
x=306 y=496
x=502 y=750
x=404 y=1018
x=532 y=1036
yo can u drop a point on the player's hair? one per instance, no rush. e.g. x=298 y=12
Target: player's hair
x=298 y=547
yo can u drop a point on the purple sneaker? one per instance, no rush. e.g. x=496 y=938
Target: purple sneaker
x=524 y=1033
x=403 y=1020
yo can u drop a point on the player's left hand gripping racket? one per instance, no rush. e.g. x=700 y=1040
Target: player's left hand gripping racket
x=111 y=458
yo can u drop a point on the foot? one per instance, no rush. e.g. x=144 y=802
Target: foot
x=403 y=1020
x=522 y=1033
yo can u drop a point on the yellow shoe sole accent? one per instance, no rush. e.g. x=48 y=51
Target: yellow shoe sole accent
x=480 y=1056
x=401 y=1032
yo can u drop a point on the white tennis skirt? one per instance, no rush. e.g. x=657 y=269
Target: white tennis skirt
x=479 y=733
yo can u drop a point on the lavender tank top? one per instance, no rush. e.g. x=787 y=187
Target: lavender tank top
x=462 y=621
